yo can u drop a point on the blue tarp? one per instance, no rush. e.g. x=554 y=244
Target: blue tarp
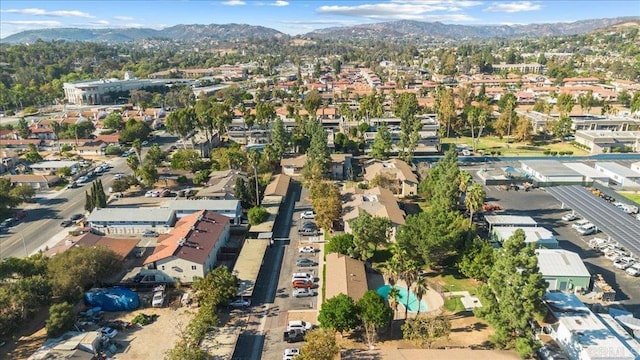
x=112 y=299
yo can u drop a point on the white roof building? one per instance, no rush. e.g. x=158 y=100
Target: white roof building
x=537 y=235
x=590 y=174
x=581 y=334
x=563 y=270
x=551 y=172
x=619 y=175
x=229 y=208
x=510 y=220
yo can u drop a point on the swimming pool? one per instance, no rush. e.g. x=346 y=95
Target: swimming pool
x=413 y=300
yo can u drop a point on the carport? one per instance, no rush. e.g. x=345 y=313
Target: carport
x=248 y=265
x=607 y=217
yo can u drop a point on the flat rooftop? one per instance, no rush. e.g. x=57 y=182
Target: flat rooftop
x=618 y=169
x=550 y=168
x=510 y=220
x=213 y=205
x=248 y=265
x=53 y=164
x=129 y=215
x=586 y=170
x=531 y=233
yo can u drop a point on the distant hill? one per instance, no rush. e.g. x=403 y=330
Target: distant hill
x=226 y=32
x=403 y=29
x=409 y=29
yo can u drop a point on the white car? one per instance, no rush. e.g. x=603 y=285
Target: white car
x=570 y=217
x=623 y=263
x=291 y=353
x=307 y=249
x=109 y=332
x=309 y=214
x=117 y=176
x=587 y=229
x=151 y=193
x=240 y=303
x=302 y=276
x=633 y=270
x=158 y=299
x=299 y=324
x=580 y=223
x=303 y=293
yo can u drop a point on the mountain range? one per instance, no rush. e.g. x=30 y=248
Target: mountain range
x=395 y=30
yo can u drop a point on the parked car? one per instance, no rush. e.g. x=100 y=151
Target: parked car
x=293 y=335
x=307 y=231
x=307 y=249
x=299 y=324
x=633 y=270
x=158 y=299
x=72 y=185
x=76 y=217
x=309 y=225
x=303 y=292
x=304 y=262
x=82 y=180
x=289 y=354
x=302 y=276
x=150 y=233
x=109 y=332
x=117 y=176
x=580 y=223
x=66 y=223
x=570 y=217
x=20 y=215
x=309 y=214
x=623 y=263
x=152 y=193
x=302 y=284
x=587 y=229
x=240 y=303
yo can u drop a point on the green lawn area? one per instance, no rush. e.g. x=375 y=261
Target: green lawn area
x=453 y=282
x=453 y=304
x=493 y=143
x=633 y=196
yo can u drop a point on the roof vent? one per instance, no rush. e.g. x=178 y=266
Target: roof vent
x=182 y=241
x=200 y=217
x=193 y=228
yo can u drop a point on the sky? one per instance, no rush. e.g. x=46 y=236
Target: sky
x=295 y=17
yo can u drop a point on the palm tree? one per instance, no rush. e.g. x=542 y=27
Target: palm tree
x=391 y=269
x=465 y=179
x=394 y=300
x=420 y=288
x=473 y=200
x=408 y=274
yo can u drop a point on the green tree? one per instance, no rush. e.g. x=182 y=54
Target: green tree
x=473 y=200
x=79 y=268
x=339 y=313
x=279 y=139
x=201 y=177
x=325 y=198
x=341 y=244
x=265 y=113
x=432 y=236
x=425 y=330
x=32 y=156
x=634 y=106
x=381 y=144
x=181 y=122
x=562 y=127
x=445 y=109
x=133 y=130
x=406 y=108
x=240 y=192
x=61 y=319
x=565 y=103
x=113 y=121
x=149 y=174
x=318 y=151
x=369 y=233
x=513 y=294
x=320 y=344
x=312 y=101
x=64 y=171
x=624 y=98
x=186 y=159
x=477 y=260
x=442 y=185
x=23 y=128
x=217 y=287
x=257 y=215
x=155 y=155
x=23 y=192
x=374 y=314
x=524 y=130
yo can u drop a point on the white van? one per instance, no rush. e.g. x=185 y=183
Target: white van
x=299 y=324
x=580 y=223
x=587 y=229
x=634 y=270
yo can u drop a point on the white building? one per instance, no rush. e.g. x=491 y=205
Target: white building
x=53 y=166
x=510 y=221
x=539 y=236
x=590 y=174
x=619 y=175
x=581 y=334
x=229 y=208
x=599 y=141
x=96 y=92
x=563 y=270
x=132 y=220
x=551 y=172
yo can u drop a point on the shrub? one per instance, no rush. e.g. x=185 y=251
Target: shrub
x=61 y=319
x=65 y=148
x=10 y=113
x=182 y=180
x=30 y=110
x=553 y=153
x=113 y=149
x=547 y=152
x=107 y=132
x=257 y=215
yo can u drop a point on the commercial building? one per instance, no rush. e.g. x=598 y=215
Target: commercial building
x=101 y=91
x=606 y=141
x=132 y=220
x=619 y=176
x=510 y=220
x=590 y=174
x=539 y=236
x=563 y=270
x=190 y=249
x=551 y=172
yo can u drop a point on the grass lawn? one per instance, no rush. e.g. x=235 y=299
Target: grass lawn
x=453 y=304
x=633 y=196
x=537 y=147
x=453 y=282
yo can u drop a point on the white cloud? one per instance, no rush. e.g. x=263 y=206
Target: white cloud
x=34 y=23
x=99 y=23
x=123 y=18
x=52 y=13
x=233 y=3
x=513 y=7
x=280 y=3
x=421 y=10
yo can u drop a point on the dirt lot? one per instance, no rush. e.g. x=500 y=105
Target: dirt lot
x=152 y=341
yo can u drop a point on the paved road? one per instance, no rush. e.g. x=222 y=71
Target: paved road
x=545 y=209
x=43 y=220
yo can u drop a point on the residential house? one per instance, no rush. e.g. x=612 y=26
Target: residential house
x=221 y=185
x=582 y=334
x=293 y=166
x=8 y=160
x=53 y=166
x=190 y=249
x=38 y=182
x=377 y=201
x=563 y=270
x=348 y=276
x=340 y=167
x=132 y=220
x=229 y=208
x=279 y=186
x=404 y=182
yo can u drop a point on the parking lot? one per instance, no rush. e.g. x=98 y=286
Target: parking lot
x=548 y=212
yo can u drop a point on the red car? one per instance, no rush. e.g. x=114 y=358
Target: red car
x=20 y=215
